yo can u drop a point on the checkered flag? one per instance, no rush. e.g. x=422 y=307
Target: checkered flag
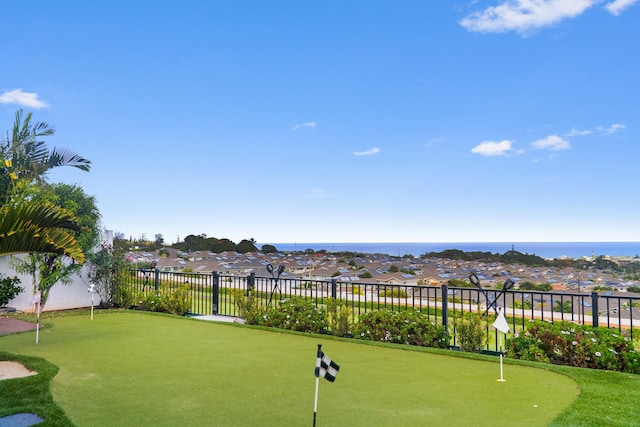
x=325 y=367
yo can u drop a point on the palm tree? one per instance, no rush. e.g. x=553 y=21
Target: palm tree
x=30 y=157
x=30 y=226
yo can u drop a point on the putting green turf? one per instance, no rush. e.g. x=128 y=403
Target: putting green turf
x=129 y=368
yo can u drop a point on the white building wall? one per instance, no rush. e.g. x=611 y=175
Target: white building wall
x=61 y=297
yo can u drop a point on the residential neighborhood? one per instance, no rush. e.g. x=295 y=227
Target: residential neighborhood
x=379 y=269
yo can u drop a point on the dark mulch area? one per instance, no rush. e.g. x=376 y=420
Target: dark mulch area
x=9 y=325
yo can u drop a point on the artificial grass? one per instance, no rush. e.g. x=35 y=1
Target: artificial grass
x=31 y=394
x=131 y=368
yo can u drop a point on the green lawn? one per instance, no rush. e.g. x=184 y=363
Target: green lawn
x=132 y=368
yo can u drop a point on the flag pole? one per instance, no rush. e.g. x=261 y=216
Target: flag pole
x=317 y=373
x=36 y=303
x=501 y=351
x=38 y=322
x=92 y=290
x=315 y=403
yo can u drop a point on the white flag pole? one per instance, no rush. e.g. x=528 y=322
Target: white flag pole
x=92 y=289
x=36 y=302
x=501 y=371
x=38 y=322
x=315 y=403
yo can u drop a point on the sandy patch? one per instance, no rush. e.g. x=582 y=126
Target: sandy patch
x=9 y=369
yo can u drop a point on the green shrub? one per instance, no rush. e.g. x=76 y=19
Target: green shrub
x=296 y=314
x=526 y=304
x=124 y=297
x=339 y=317
x=9 y=289
x=177 y=301
x=571 y=344
x=469 y=333
x=393 y=293
x=406 y=327
x=150 y=301
x=248 y=307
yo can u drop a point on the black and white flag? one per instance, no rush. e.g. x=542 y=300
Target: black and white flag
x=325 y=367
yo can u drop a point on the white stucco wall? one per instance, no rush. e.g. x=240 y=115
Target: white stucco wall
x=61 y=297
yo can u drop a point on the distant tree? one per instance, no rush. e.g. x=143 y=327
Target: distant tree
x=526 y=285
x=246 y=246
x=393 y=269
x=159 y=240
x=268 y=249
x=602 y=263
x=562 y=306
x=223 y=245
x=365 y=275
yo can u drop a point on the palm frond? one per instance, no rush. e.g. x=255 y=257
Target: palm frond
x=38 y=227
x=65 y=157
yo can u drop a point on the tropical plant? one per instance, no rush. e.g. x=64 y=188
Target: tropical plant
x=29 y=225
x=39 y=227
x=30 y=156
x=47 y=269
x=107 y=271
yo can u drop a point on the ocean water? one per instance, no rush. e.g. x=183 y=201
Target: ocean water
x=542 y=249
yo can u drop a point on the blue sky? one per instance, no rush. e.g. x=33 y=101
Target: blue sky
x=337 y=121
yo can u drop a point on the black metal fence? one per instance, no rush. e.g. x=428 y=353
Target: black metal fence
x=212 y=293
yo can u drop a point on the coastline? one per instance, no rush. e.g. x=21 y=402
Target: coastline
x=541 y=249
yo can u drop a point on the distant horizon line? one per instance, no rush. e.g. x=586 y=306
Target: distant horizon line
x=455 y=241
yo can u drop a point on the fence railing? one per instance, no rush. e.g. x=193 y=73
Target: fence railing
x=212 y=293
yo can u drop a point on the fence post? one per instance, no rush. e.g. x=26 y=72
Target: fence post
x=215 y=298
x=251 y=282
x=157 y=278
x=445 y=307
x=334 y=288
x=594 y=309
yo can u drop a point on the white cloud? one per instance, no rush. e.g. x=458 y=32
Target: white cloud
x=617 y=6
x=370 y=152
x=24 y=99
x=577 y=132
x=308 y=125
x=611 y=129
x=552 y=142
x=525 y=15
x=492 y=148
